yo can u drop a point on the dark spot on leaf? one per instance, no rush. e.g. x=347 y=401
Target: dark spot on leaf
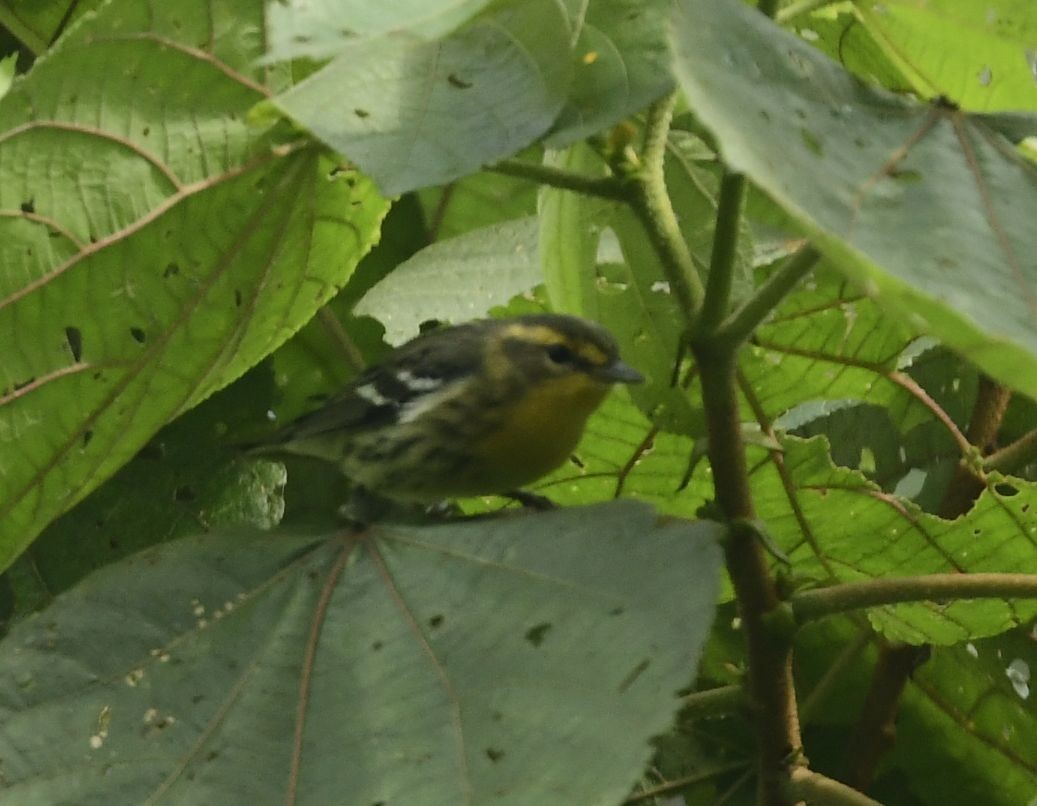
x=23 y=384
x=75 y=342
x=1026 y=508
x=92 y=238
x=634 y=673
x=535 y=635
x=361 y=113
x=435 y=621
x=212 y=755
x=377 y=645
x=113 y=543
x=197 y=698
x=811 y=141
x=576 y=460
x=237 y=298
x=497 y=716
x=977 y=532
x=859 y=142
x=87 y=436
x=457 y=81
x=494 y=755
x=138 y=335
x=171 y=270
x=616 y=611
x=146 y=131
x=184 y=493
x=906 y=175
x=1007 y=490
x=301 y=39
x=28 y=206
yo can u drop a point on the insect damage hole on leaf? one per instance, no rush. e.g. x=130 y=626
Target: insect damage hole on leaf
x=74 y=337
x=535 y=635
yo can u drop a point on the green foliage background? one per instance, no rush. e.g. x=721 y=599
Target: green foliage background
x=212 y=215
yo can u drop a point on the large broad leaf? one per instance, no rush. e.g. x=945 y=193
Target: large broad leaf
x=993 y=42
x=929 y=210
x=622 y=63
x=836 y=526
x=514 y=661
x=320 y=29
x=152 y=245
x=456 y=279
x=413 y=113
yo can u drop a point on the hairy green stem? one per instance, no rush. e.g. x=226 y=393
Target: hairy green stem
x=741 y=324
x=820 y=602
x=653 y=206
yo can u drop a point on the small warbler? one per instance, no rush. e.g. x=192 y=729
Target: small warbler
x=478 y=408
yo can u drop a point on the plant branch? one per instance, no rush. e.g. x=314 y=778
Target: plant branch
x=725 y=249
x=607 y=187
x=821 y=602
x=652 y=204
x=770 y=685
x=1015 y=456
x=819 y=790
x=740 y=325
x=711 y=702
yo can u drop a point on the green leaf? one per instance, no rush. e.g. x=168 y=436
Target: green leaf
x=925 y=208
x=836 y=30
x=36 y=24
x=477 y=200
x=518 y=660
x=986 y=727
x=457 y=279
x=992 y=41
x=7 y=67
x=622 y=64
x=414 y=113
x=154 y=247
x=571 y=226
x=320 y=29
x=835 y=525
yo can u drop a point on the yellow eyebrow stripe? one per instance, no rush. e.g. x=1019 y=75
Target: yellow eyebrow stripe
x=540 y=334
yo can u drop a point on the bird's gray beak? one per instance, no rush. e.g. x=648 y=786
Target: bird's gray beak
x=618 y=372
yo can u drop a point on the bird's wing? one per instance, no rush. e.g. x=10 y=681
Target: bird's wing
x=377 y=396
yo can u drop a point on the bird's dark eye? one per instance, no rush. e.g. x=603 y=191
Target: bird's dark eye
x=561 y=354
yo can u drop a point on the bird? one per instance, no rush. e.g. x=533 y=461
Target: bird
x=479 y=408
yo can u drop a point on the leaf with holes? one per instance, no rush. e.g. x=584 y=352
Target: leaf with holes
x=929 y=210
x=154 y=246
x=519 y=660
x=413 y=113
x=836 y=526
